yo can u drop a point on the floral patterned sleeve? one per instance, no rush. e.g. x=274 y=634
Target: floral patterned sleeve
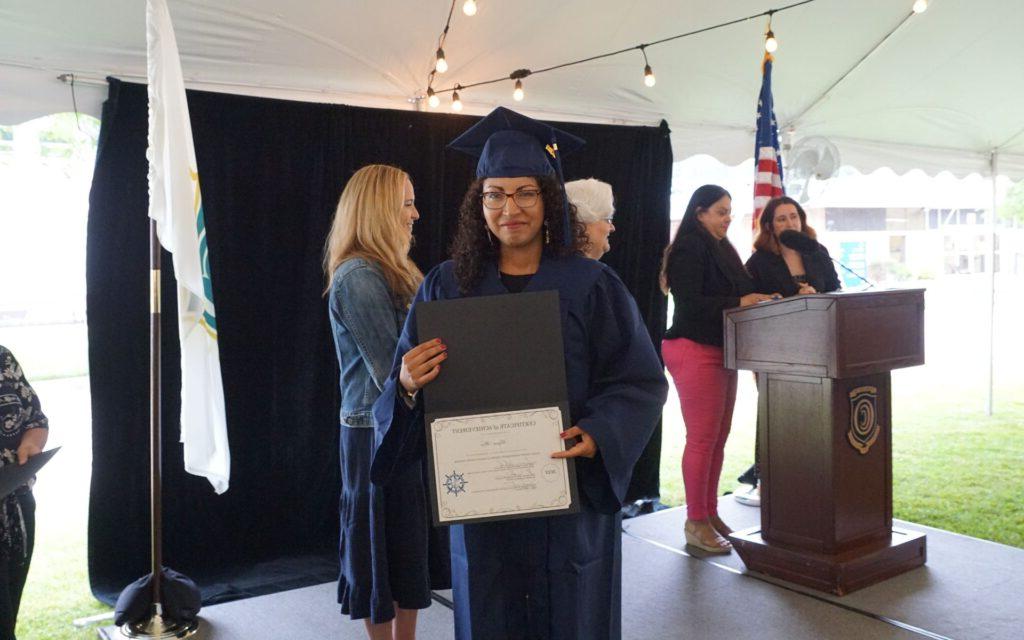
x=19 y=405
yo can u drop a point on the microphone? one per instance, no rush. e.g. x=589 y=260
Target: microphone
x=799 y=241
x=804 y=243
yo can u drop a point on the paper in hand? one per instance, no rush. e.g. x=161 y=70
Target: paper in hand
x=14 y=475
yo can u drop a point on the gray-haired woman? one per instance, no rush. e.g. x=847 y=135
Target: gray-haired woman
x=595 y=208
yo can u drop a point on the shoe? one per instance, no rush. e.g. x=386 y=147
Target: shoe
x=749 y=497
x=749 y=476
x=719 y=526
x=705 y=539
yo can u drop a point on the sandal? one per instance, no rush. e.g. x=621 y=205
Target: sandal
x=719 y=526
x=705 y=538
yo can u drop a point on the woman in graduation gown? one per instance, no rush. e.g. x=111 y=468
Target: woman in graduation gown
x=555 y=577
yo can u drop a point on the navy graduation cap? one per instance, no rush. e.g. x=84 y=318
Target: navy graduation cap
x=511 y=145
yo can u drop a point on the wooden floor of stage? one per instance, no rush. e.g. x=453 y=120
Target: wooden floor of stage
x=969 y=588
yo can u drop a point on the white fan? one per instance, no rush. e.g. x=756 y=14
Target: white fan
x=812 y=158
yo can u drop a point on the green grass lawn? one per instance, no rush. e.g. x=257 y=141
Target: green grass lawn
x=954 y=468
x=960 y=470
x=57 y=591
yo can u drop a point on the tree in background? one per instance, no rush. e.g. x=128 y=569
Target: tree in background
x=66 y=135
x=1012 y=209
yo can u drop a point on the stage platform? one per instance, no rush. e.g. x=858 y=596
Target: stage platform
x=969 y=589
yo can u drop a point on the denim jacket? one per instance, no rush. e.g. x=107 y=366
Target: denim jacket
x=366 y=325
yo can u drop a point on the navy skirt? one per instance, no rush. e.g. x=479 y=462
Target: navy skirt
x=388 y=550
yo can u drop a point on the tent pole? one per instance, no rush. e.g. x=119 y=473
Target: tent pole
x=993 y=169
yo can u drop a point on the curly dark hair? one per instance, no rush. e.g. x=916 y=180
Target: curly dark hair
x=473 y=246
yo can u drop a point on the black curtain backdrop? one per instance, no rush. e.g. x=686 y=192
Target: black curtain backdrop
x=271 y=173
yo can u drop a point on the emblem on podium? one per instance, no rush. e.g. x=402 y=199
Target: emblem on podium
x=864 y=427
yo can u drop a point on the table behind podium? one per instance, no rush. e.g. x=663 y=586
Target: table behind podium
x=825 y=418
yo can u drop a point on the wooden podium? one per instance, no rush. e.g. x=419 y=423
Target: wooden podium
x=825 y=418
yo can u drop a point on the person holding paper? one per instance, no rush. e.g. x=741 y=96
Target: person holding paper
x=595 y=208
x=23 y=433
x=705 y=276
x=540 y=577
x=386 y=538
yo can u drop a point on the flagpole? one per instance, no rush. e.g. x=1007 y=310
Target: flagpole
x=156 y=625
x=155 y=441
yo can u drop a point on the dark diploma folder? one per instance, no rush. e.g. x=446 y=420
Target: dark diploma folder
x=505 y=353
x=14 y=475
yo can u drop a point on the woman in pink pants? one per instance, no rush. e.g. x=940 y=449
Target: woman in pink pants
x=705 y=276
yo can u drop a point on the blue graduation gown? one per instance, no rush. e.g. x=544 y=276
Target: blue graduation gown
x=555 y=577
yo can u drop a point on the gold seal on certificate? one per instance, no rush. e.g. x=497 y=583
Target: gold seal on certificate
x=499 y=465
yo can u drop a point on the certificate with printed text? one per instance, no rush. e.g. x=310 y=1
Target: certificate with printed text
x=499 y=465
x=494 y=414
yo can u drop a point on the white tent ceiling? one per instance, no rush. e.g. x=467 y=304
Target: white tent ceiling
x=943 y=92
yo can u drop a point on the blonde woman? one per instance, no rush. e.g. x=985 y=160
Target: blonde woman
x=385 y=540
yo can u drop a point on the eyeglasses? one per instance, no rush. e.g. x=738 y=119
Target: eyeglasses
x=524 y=198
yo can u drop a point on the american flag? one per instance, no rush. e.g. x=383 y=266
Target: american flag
x=767 y=158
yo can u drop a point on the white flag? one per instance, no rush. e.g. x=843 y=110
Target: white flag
x=176 y=205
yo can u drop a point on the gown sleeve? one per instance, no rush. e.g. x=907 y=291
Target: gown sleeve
x=626 y=394
x=399 y=426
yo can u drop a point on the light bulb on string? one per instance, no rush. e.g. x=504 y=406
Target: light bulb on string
x=649 y=78
x=920 y=6
x=518 y=94
x=441 y=65
x=469 y=8
x=432 y=98
x=456 y=101
x=771 y=45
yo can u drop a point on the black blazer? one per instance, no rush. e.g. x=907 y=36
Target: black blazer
x=771 y=275
x=698 y=278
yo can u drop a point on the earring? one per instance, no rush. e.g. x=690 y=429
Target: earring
x=490 y=237
x=547 y=234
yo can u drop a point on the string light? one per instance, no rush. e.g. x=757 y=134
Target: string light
x=441 y=65
x=649 y=78
x=469 y=8
x=518 y=76
x=771 y=44
x=432 y=98
x=920 y=6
